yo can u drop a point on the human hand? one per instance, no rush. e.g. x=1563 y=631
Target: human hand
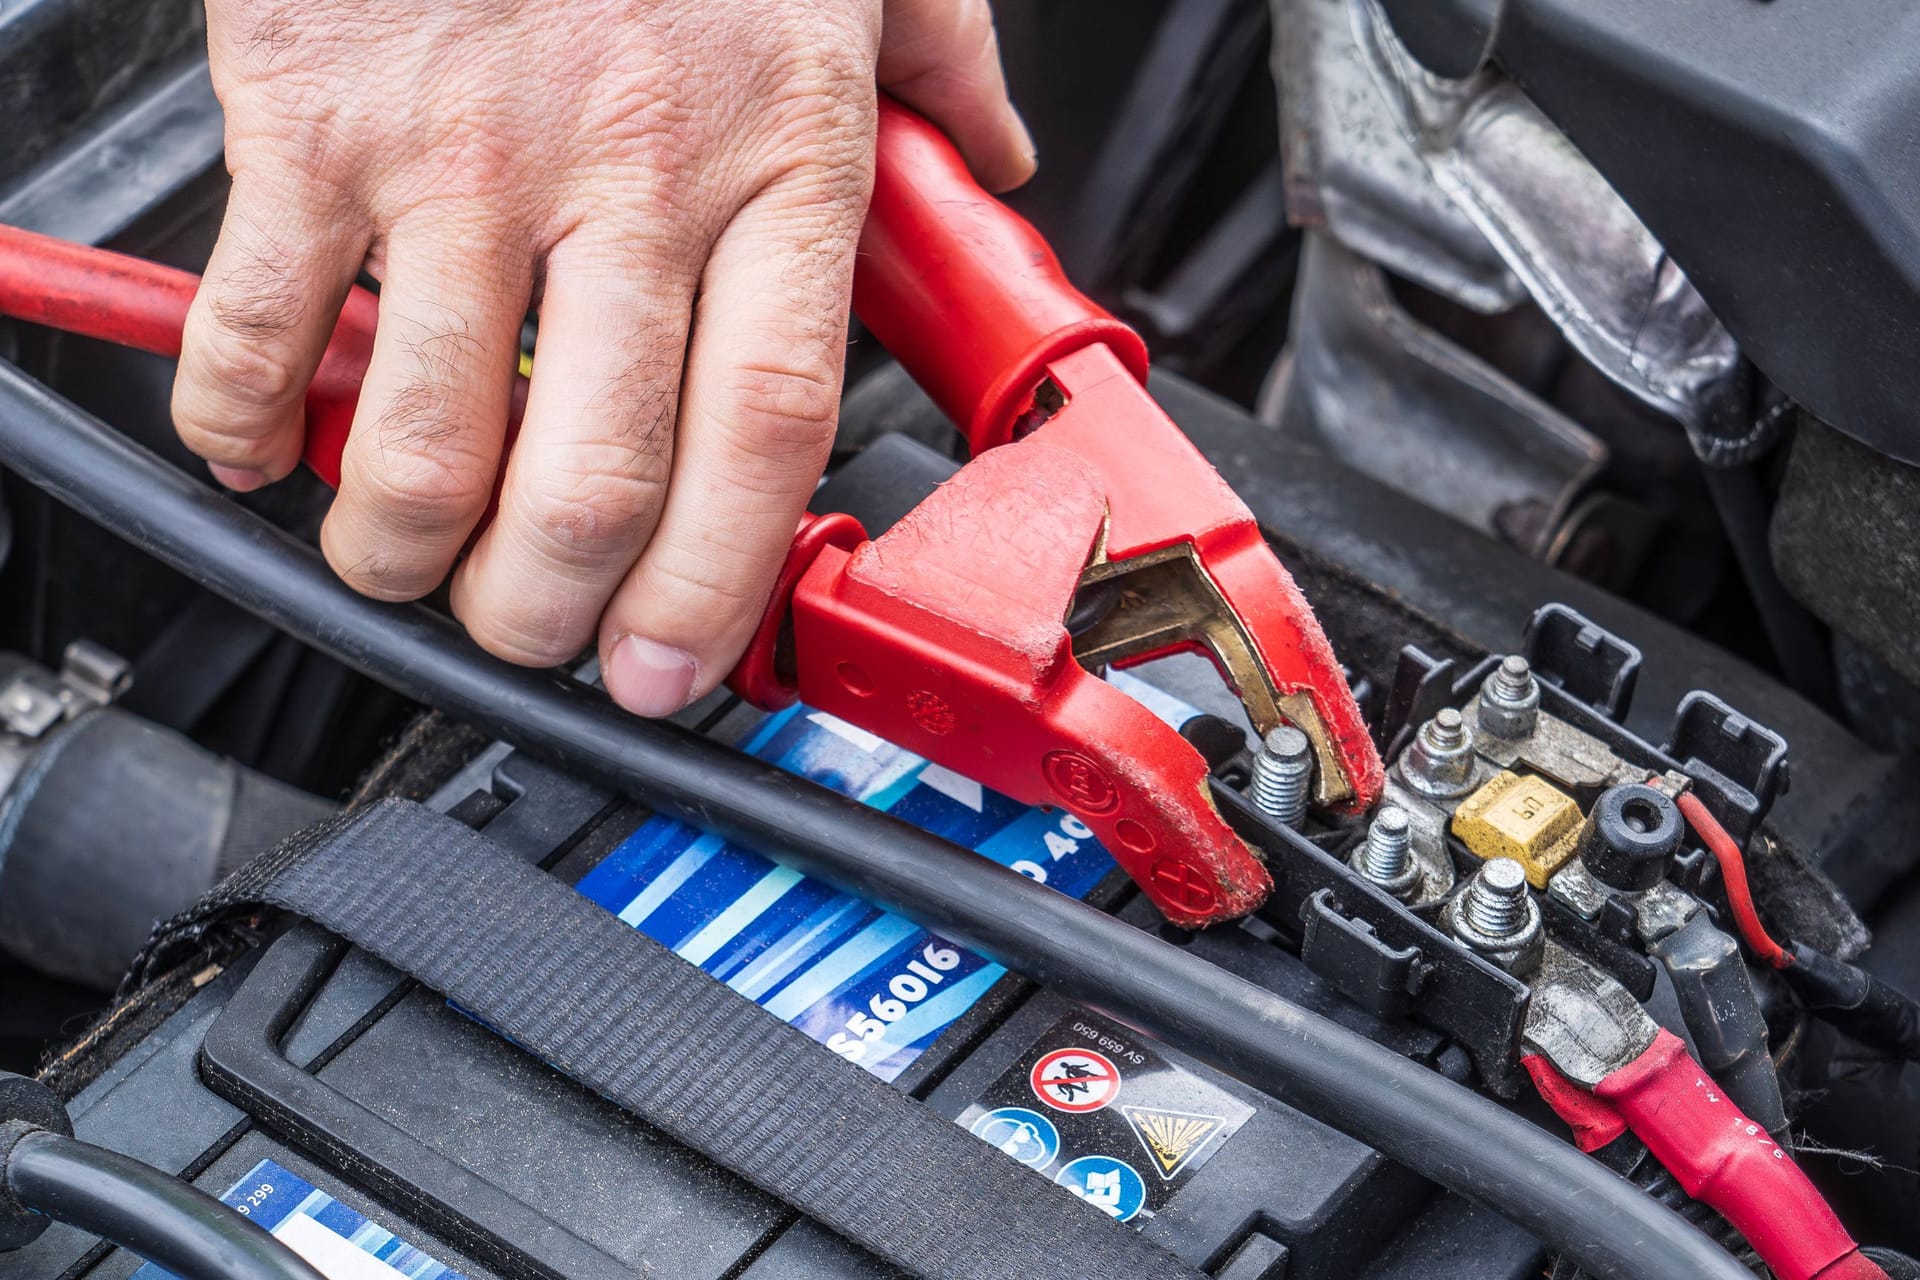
x=678 y=185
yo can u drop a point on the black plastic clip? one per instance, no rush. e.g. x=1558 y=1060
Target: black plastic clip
x=1738 y=767
x=1422 y=684
x=1349 y=954
x=1586 y=661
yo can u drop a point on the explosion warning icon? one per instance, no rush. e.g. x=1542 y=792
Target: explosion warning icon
x=1172 y=1138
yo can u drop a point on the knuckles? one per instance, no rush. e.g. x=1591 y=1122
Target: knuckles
x=580 y=517
x=248 y=374
x=435 y=488
x=542 y=638
x=785 y=414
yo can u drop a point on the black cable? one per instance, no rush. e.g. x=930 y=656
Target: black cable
x=1854 y=1001
x=143 y=1210
x=1428 y=1123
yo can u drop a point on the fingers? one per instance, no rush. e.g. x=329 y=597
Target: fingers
x=287 y=254
x=588 y=473
x=941 y=58
x=760 y=397
x=418 y=468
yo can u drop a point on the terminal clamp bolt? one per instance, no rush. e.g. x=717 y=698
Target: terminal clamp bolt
x=1386 y=858
x=1497 y=917
x=1283 y=776
x=1440 y=760
x=1510 y=699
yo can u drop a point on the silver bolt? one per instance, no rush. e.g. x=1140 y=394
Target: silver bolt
x=1496 y=900
x=1496 y=916
x=1513 y=678
x=1510 y=699
x=1282 y=775
x=1440 y=760
x=1386 y=858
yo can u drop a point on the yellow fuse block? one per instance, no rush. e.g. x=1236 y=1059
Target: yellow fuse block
x=1525 y=818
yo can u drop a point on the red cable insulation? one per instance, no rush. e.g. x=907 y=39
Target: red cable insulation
x=1733 y=870
x=1594 y=1123
x=84 y=290
x=1717 y=1154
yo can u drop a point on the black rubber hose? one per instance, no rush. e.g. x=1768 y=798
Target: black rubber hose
x=143 y=1210
x=1798 y=643
x=1433 y=1126
x=112 y=799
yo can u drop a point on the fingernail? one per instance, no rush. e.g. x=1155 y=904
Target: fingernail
x=649 y=678
x=1028 y=147
x=1023 y=147
x=238 y=479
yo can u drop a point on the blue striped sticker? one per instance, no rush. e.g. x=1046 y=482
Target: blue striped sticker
x=342 y=1244
x=869 y=985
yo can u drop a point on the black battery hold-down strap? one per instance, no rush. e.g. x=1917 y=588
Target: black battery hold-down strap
x=628 y=1019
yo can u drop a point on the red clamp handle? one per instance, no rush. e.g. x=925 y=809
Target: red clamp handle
x=963 y=291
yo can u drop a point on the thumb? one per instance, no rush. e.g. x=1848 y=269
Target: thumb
x=941 y=58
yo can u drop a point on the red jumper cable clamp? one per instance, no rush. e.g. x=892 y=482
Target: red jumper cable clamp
x=949 y=634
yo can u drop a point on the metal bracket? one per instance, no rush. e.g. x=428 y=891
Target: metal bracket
x=30 y=704
x=1584 y=1022
x=35 y=700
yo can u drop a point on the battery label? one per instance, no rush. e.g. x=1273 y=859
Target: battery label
x=340 y=1243
x=1099 y=1110
x=874 y=988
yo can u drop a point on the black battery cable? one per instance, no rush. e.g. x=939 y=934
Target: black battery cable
x=144 y=1210
x=1439 y=1129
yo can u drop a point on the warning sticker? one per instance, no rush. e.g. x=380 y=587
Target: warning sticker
x=1076 y=1080
x=1123 y=1128
x=1172 y=1138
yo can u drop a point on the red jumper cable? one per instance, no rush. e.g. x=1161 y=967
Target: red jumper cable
x=1606 y=1067
x=1717 y=1154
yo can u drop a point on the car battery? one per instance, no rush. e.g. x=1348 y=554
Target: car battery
x=385 y=1134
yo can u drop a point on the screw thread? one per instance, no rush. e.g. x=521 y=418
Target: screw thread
x=1446 y=731
x=1389 y=848
x=1513 y=679
x=1496 y=900
x=1282 y=772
